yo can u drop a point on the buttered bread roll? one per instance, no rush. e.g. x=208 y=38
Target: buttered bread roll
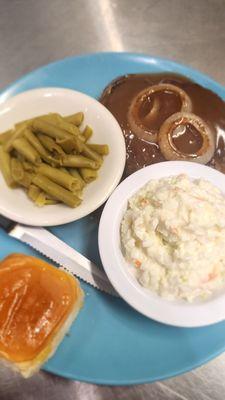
x=38 y=303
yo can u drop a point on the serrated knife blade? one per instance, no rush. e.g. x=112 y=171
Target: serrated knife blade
x=55 y=249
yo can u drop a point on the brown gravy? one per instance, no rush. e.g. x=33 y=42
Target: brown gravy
x=118 y=95
x=187 y=139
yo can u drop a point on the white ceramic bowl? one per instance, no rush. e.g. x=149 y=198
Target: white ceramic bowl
x=14 y=203
x=177 y=313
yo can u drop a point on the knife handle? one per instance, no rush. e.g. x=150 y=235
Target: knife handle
x=6 y=223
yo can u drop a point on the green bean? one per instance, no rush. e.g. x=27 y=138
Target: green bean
x=78 y=144
x=73 y=129
x=88 y=174
x=17 y=170
x=27 y=166
x=87 y=133
x=51 y=198
x=79 y=193
x=54 y=161
x=49 y=158
x=5 y=167
x=33 y=192
x=45 y=155
x=74 y=172
x=57 y=120
x=89 y=153
x=41 y=126
x=57 y=133
x=33 y=140
x=49 y=202
x=58 y=176
x=26 y=180
x=55 y=190
x=29 y=152
x=69 y=127
x=50 y=144
x=8 y=146
x=28 y=122
x=75 y=119
x=77 y=161
x=69 y=144
x=4 y=137
x=42 y=200
x=102 y=149
x=39 y=197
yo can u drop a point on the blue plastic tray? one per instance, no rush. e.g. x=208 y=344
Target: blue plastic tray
x=110 y=343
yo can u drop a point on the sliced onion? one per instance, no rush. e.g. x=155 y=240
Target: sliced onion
x=137 y=124
x=167 y=147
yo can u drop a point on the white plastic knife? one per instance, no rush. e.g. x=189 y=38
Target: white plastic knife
x=65 y=256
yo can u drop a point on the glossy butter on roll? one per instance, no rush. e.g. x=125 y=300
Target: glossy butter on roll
x=38 y=303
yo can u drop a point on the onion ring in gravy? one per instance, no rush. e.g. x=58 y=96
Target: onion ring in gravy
x=195 y=129
x=141 y=124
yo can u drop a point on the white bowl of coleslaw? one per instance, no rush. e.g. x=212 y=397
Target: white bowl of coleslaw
x=163 y=250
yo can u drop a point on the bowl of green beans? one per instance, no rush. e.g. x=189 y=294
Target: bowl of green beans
x=62 y=153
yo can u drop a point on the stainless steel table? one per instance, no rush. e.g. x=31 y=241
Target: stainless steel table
x=35 y=32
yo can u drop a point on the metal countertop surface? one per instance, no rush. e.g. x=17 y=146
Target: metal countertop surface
x=34 y=33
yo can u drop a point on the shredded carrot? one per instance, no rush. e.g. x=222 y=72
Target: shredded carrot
x=212 y=276
x=144 y=202
x=199 y=198
x=137 y=263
